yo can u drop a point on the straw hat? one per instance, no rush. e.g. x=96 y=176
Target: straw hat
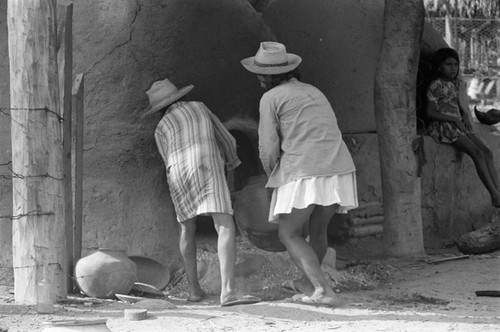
x=271 y=59
x=162 y=94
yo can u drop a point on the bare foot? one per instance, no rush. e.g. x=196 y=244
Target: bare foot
x=298 y=286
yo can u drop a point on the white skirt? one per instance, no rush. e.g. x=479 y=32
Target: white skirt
x=326 y=190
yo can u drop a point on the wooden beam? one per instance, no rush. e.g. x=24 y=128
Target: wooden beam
x=395 y=113
x=65 y=63
x=38 y=232
x=78 y=108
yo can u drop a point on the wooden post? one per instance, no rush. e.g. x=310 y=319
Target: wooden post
x=38 y=232
x=449 y=32
x=65 y=63
x=395 y=95
x=77 y=93
x=498 y=88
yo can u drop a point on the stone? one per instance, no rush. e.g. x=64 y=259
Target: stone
x=485 y=239
x=135 y=314
x=154 y=304
x=330 y=258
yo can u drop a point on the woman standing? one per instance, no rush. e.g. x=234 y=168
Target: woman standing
x=310 y=169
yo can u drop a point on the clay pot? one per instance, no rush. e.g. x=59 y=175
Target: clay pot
x=105 y=272
x=251 y=212
x=151 y=272
x=489 y=117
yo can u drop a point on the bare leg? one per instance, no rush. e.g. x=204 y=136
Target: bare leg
x=318 y=240
x=187 y=246
x=290 y=233
x=465 y=144
x=226 y=249
x=489 y=159
x=318 y=226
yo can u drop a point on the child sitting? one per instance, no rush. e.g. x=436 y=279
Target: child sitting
x=451 y=123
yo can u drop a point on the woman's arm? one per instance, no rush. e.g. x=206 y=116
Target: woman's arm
x=269 y=140
x=435 y=92
x=162 y=145
x=225 y=142
x=465 y=115
x=433 y=114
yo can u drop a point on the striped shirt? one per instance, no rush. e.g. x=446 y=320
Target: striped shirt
x=194 y=145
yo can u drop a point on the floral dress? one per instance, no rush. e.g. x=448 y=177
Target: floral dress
x=445 y=96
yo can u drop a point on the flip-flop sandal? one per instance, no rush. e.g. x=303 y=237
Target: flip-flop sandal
x=305 y=299
x=245 y=299
x=289 y=286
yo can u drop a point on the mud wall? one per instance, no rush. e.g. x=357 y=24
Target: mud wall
x=122 y=47
x=339 y=42
x=453 y=199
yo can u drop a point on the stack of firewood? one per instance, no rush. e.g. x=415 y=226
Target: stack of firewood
x=367 y=220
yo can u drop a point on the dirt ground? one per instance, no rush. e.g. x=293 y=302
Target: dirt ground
x=378 y=294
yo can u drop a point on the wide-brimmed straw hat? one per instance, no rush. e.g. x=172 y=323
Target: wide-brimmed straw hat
x=162 y=94
x=271 y=59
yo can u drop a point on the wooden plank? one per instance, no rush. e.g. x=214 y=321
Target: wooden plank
x=38 y=230
x=65 y=63
x=448 y=259
x=494 y=293
x=78 y=108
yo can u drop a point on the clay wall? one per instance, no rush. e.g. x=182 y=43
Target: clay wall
x=122 y=47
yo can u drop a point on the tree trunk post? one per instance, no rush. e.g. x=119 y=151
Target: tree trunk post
x=395 y=113
x=65 y=69
x=38 y=230
x=78 y=108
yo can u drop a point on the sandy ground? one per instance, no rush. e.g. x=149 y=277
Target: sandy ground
x=412 y=295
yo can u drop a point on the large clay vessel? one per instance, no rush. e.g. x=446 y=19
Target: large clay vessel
x=105 y=272
x=251 y=212
x=151 y=272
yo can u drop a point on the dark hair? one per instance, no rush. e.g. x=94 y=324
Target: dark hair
x=277 y=79
x=291 y=74
x=440 y=56
x=284 y=76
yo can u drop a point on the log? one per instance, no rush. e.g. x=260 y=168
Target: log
x=485 y=239
x=493 y=293
x=366 y=230
x=356 y=221
x=65 y=63
x=38 y=228
x=448 y=259
x=77 y=103
x=395 y=114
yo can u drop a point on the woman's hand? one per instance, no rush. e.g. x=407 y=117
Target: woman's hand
x=460 y=124
x=468 y=125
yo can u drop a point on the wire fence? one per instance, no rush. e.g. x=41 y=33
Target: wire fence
x=477 y=42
